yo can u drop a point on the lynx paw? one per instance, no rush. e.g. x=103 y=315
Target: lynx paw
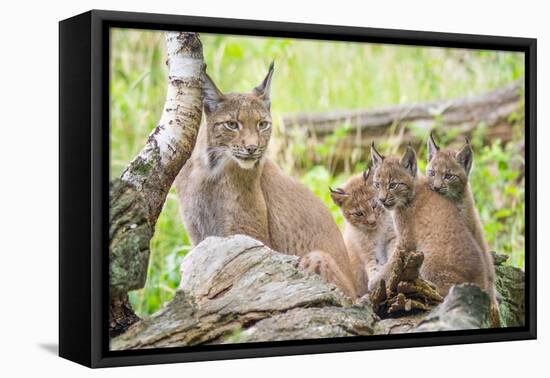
x=320 y=263
x=314 y=263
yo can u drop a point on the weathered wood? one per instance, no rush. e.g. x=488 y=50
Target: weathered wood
x=466 y=113
x=510 y=282
x=130 y=231
x=137 y=198
x=233 y=283
x=312 y=323
x=391 y=124
x=235 y=290
x=121 y=315
x=465 y=307
x=406 y=290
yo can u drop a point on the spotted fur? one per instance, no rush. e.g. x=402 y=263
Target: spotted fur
x=368 y=230
x=428 y=222
x=229 y=186
x=447 y=173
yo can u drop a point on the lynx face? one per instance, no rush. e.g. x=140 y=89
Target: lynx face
x=447 y=170
x=358 y=202
x=238 y=124
x=394 y=178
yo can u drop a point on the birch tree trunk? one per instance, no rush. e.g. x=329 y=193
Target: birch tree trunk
x=137 y=197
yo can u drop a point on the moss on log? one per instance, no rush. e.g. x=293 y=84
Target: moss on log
x=510 y=282
x=129 y=235
x=137 y=198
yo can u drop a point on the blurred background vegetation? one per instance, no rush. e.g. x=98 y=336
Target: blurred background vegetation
x=319 y=76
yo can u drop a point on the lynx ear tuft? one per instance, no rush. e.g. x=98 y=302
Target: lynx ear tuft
x=212 y=96
x=366 y=174
x=465 y=157
x=263 y=91
x=337 y=190
x=408 y=161
x=432 y=147
x=375 y=156
x=338 y=195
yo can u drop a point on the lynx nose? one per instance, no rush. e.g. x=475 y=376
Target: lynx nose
x=251 y=148
x=371 y=220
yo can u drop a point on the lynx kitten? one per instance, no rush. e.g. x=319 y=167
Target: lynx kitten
x=447 y=173
x=368 y=230
x=425 y=221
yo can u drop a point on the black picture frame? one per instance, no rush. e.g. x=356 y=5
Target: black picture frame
x=84 y=180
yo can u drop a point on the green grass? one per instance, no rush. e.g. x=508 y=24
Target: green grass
x=315 y=76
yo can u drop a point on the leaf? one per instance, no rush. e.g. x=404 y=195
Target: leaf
x=503 y=213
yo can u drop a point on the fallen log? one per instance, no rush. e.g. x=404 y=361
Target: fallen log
x=235 y=289
x=498 y=110
x=510 y=283
x=230 y=284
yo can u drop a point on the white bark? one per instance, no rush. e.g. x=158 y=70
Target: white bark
x=170 y=144
x=137 y=198
x=183 y=71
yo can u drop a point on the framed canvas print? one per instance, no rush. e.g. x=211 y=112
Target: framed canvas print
x=234 y=188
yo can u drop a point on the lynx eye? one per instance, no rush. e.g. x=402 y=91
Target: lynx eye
x=431 y=172
x=232 y=125
x=393 y=185
x=376 y=184
x=263 y=125
x=448 y=176
x=358 y=214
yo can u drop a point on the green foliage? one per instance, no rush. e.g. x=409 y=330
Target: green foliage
x=234 y=336
x=168 y=247
x=498 y=184
x=317 y=76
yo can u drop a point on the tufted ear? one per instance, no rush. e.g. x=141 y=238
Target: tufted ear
x=367 y=175
x=263 y=91
x=465 y=157
x=432 y=147
x=408 y=161
x=375 y=156
x=338 y=196
x=212 y=96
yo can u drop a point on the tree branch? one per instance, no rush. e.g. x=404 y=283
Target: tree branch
x=154 y=169
x=137 y=198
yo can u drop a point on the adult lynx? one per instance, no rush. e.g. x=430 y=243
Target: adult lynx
x=425 y=221
x=229 y=186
